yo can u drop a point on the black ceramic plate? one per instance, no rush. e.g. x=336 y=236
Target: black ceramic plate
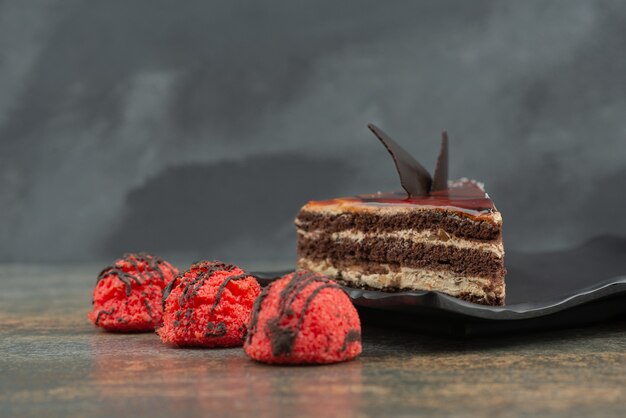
x=544 y=290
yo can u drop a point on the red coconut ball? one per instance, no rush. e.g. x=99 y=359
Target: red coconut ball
x=208 y=306
x=127 y=296
x=303 y=318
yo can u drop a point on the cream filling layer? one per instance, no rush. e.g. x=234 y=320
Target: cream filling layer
x=433 y=237
x=410 y=278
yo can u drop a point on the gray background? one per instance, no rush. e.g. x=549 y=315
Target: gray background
x=197 y=129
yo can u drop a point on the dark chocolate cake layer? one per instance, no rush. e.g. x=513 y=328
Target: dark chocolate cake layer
x=402 y=252
x=451 y=223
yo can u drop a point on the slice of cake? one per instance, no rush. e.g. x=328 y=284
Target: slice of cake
x=439 y=235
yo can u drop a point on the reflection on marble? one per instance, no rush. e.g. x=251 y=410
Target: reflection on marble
x=128 y=370
x=54 y=363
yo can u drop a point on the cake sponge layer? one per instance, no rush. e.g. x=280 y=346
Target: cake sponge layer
x=402 y=252
x=449 y=241
x=483 y=290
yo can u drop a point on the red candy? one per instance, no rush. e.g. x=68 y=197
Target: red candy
x=303 y=318
x=127 y=297
x=209 y=305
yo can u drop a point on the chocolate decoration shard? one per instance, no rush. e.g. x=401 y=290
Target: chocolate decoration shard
x=414 y=178
x=440 y=179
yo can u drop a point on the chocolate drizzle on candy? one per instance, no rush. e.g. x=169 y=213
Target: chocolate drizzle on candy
x=103 y=312
x=415 y=179
x=191 y=286
x=215 y=331
x=154 y=265
x=282 y=331
x=352 y=336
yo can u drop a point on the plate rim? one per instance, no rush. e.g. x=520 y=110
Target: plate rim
x=440 y=301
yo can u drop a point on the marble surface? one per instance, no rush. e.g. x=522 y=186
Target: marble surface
x=54 y=363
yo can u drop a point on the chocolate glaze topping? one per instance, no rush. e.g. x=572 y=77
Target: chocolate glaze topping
x=465 y=197
x=281 y=331
x=415 y=179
